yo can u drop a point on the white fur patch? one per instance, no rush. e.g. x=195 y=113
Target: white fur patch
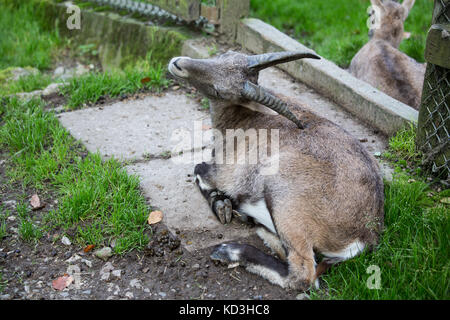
x=272 y=241
x=353 y=249
x=202 y=184
x=259 y=212
x=269 y=274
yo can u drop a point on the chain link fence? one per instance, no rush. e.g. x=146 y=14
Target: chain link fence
x=154 y=12
x=433 y=137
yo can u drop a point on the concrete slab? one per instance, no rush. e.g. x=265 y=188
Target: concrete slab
x=135 y=129
x=171 y=188
x=282 y=83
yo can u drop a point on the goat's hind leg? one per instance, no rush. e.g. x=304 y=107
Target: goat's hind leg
x=220 y=204
x=254 y=261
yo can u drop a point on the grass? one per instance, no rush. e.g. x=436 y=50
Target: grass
x=25 y=84
x=89 y=88
x=3 y=217
x=334 y=31
x=24 y=41
x=97 y=201
x=3 y=283
x=413 y=254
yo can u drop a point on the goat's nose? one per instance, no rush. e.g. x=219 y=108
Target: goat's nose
x=176 y=68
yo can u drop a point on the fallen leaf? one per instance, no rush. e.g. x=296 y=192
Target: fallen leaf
x=155 y=217
x=445 y=200
x=62 y=282
x=89 y=248
x=145 y=80
x=35 y=202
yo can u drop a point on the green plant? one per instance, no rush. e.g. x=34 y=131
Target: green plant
x=97 y=201
x=90 y=87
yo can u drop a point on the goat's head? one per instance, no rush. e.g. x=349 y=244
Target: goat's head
x=392 y=17
x=233 y=77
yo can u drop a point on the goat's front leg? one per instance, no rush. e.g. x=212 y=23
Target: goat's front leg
x=220 y=204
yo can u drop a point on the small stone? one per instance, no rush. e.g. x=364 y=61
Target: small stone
x=377 y=154
x=108 y=267
x=87 y=262
x=104 y=253
x=136 y=283
x=58 y=72
x=145 y=270
x=68 y=254
x=302 y=296
x=64 y=294
x=196 y=266
x=162 y=294
x=105 y=276
x=129 y=295
x=117 y=274
x=51 y=89
x=147 y=290
x=87 y=292
x=5 y=297
x=10 y=204
x=66 y=241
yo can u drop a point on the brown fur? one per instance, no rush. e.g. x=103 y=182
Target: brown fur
x=381 y=64
x=328 y=191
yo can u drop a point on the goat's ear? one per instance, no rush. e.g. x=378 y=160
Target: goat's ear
x=408 y=4
x=377 y=3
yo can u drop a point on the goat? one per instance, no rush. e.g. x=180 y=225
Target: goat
x=327 y=195
x=380 y=63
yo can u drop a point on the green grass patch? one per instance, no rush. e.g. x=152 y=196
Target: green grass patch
x=25 y=84
x=413 y=256
x=335 y=31
x=97 y=201
x=24 y=40
x=3 y=217
x=3 y=283
x=89 y=88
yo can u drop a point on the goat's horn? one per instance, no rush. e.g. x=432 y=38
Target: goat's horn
x=259 y=94
x=262 y=61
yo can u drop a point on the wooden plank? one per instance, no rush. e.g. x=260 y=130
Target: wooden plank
x=438 y=45
x=231 y=12
x=189 y=10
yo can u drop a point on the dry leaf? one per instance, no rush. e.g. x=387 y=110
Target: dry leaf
x=445 y=200
x=145 y=80
x=62 y=282
x=35 y=202
x=155 y=217
x=89 y=248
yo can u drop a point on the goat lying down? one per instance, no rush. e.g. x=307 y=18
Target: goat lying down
x=327 y=195
x=380 y=63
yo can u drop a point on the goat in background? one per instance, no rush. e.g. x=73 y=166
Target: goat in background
x=327 y=195
x=381 y=64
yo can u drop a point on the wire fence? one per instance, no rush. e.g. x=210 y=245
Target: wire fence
x=155 y=12
x=434 y=115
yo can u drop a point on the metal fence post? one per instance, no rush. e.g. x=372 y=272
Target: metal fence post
x=433 y=134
